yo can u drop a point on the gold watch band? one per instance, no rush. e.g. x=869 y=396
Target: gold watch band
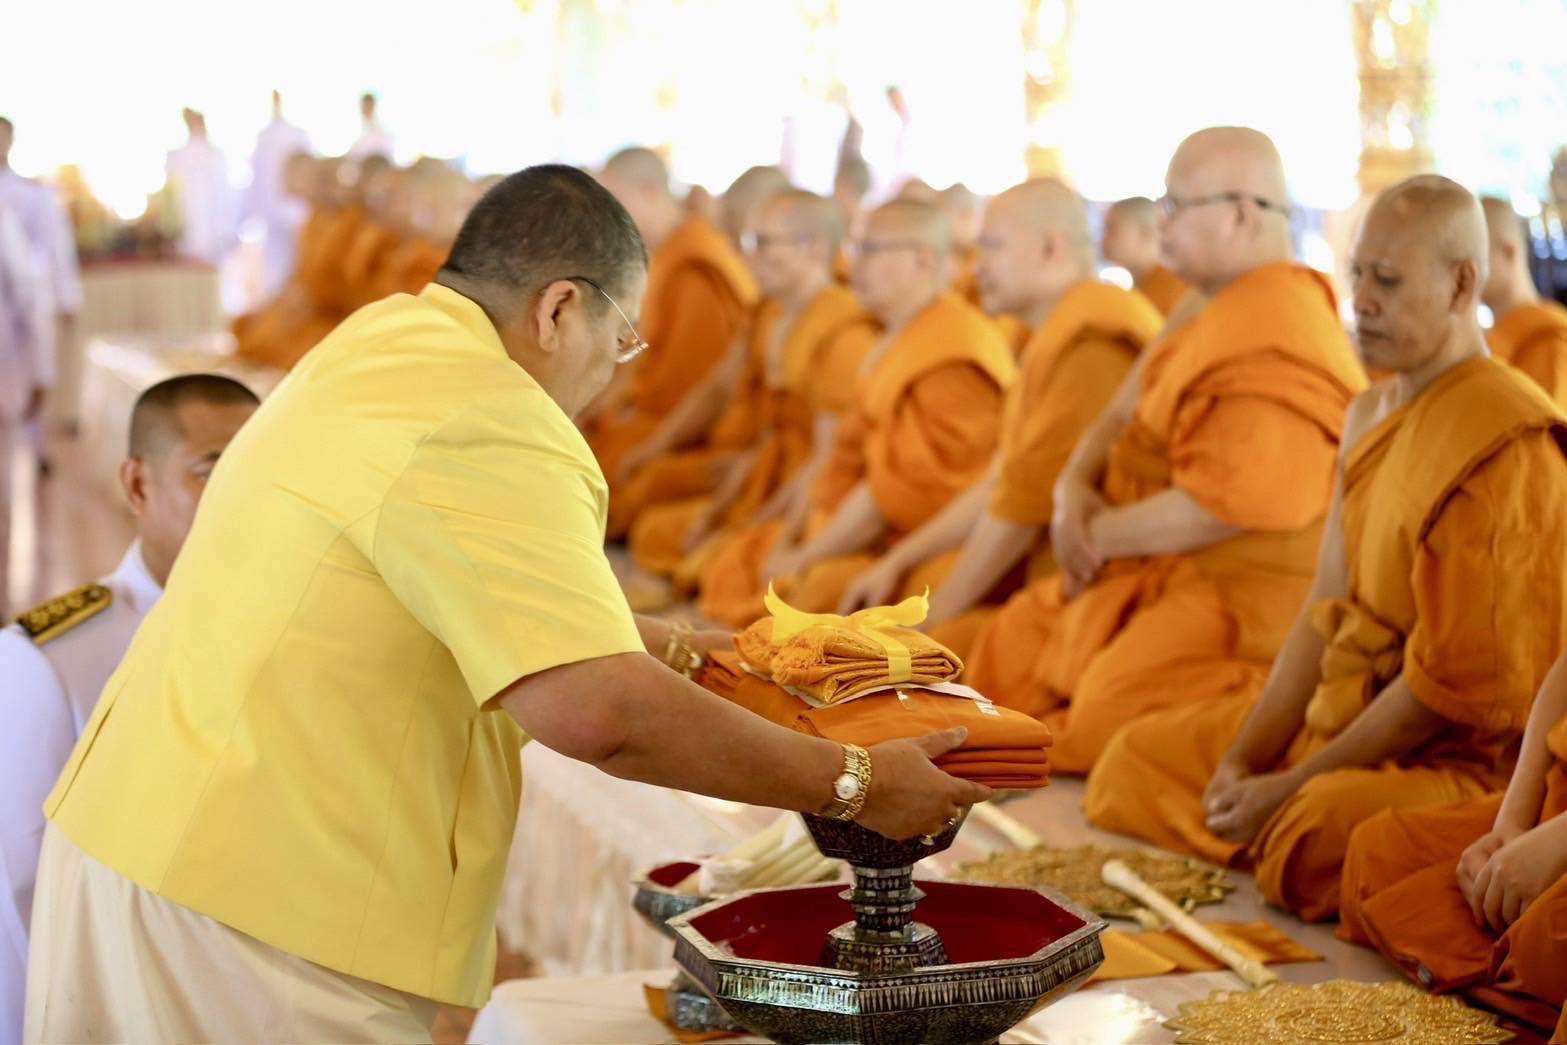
x=856 y=761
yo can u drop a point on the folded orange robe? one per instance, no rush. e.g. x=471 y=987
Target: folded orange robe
x=1401 y=895
x=832 y=664
x=698 y=293
x=924 y=426
x=1164 y=288
x=1451 y=510
x=1533 y=338
x=1130 y=955
x=1240 y=408
x=1002 y=749
x=780 y=360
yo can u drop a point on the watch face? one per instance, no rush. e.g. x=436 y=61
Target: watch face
x=846 y=786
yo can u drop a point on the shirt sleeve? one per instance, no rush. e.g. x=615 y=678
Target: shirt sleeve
x=36 y=737
x=492 y=537
x=1490 y=587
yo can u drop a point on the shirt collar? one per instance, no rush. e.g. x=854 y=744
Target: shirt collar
x=466 y=312
x=137 y=580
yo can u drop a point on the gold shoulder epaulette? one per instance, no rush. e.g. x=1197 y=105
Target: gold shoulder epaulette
x=59 y=615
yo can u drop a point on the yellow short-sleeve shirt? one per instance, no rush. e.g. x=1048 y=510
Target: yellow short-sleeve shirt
x=298 y=742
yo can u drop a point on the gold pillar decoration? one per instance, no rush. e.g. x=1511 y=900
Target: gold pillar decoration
x=1392 y=40
x=1047 y=82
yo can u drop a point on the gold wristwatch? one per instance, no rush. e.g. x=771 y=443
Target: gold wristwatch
x=681 y=653
x=851 y=787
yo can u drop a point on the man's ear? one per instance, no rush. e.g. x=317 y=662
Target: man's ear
x=133 y=480
x=548 y=310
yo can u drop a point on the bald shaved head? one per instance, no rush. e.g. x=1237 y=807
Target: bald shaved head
x=1228 y=207
x=792 y=243
x=744 y=193
x=901 y=263
x=1130 y=237
x=1417 y=270
x=1034 y=245
x=917 y=190
x=962 y=208
x=1509 y=283
x=1139 y=210
x=637 y=166
x=639 y=179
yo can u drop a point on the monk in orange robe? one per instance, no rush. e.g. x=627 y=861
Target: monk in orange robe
x=1036 y=260
x=923 y=428
x=312 y=303
x=1131 y=240
x=1473 y=896
x=1186 y=520
x=963 y=210
x=1437 y=607
x=698 y=294
x=1528 y=331
x=799 y=357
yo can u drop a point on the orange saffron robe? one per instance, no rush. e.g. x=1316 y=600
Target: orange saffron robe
x=1533 y=338
x=1163 y=287
x=1456 y=582
x=1241 y=408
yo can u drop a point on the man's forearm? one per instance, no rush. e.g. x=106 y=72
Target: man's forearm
x=1170 y=522
x=947 y=529
x=854 y=527
x=1280 y=712
x=994 y=547
x=1393 y=724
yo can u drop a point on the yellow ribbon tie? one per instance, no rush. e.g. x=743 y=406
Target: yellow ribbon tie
x=873 y=622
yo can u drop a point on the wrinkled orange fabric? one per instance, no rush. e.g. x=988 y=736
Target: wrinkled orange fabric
x=1533 y=338
x=366 y=253
x=1241 y=408
x=1401 y=895
x=1164 y=288
x=1456 y=581
x=312 y=306
x=1130 y=956
x=1002 y=749
x=832 y=663
x=923 y=428
x=781 y=366
x=253 y=331
x=407 y=268
x=699 y=291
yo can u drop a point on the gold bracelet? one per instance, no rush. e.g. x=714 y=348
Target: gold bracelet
x=851 y=786
x=681 y=653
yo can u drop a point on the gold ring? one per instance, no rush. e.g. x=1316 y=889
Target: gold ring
x=928 y=839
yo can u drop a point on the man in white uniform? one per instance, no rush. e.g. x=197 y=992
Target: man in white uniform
x=373 y=140
x=199 y=173
x=55 y=659
x=22 y=376
x=268 y=199
x=57 y=285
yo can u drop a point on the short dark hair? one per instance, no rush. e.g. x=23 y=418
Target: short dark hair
x=154 y=424
x=547 y=223
x=8 y=124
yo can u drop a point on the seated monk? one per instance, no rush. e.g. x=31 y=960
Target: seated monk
x=1437 y=605
x=1036 y=261
x=851 y=182
x=709 y=417
x=963 y=210
x=699 y=291
x=1528 y=331
x=375 y=241
x=1473 y=896
x=311 y=305
x=797 y=360
x=923 y=428
x=1185 y=520
x=1131 y=241
x=314 y=180
x=418 y=217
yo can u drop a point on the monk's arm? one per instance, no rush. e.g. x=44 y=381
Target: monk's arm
x=993 y=547
x=1526 y=791
x=1170 y=522
x=943 y=531
x=1280 y=710
x=1545 y=360
x=697 y=410
x=854 y=526
x=792 y=501
x=1393 y=724
x=1087 y=463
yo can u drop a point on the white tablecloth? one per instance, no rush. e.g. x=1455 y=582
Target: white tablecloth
x=120 y=368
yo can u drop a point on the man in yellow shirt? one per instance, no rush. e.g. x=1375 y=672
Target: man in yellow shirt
x=289 y=816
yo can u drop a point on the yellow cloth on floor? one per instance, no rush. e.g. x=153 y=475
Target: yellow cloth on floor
x=1130 y=956
x=833 y=658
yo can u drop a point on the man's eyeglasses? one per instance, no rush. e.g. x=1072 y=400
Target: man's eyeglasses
x=1171 y=204
x=637 y=346
x=864 y=248
x=756 y=242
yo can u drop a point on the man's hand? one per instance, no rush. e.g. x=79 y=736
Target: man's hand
x=1239 y=812
x=909 y=796
x=1474 y=859
x=1517 y=873
x=874 y=587
x=711 y=640
x=1076 y=505
x=1230 y=773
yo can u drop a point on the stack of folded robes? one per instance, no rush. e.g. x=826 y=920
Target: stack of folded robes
x=867 y=678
